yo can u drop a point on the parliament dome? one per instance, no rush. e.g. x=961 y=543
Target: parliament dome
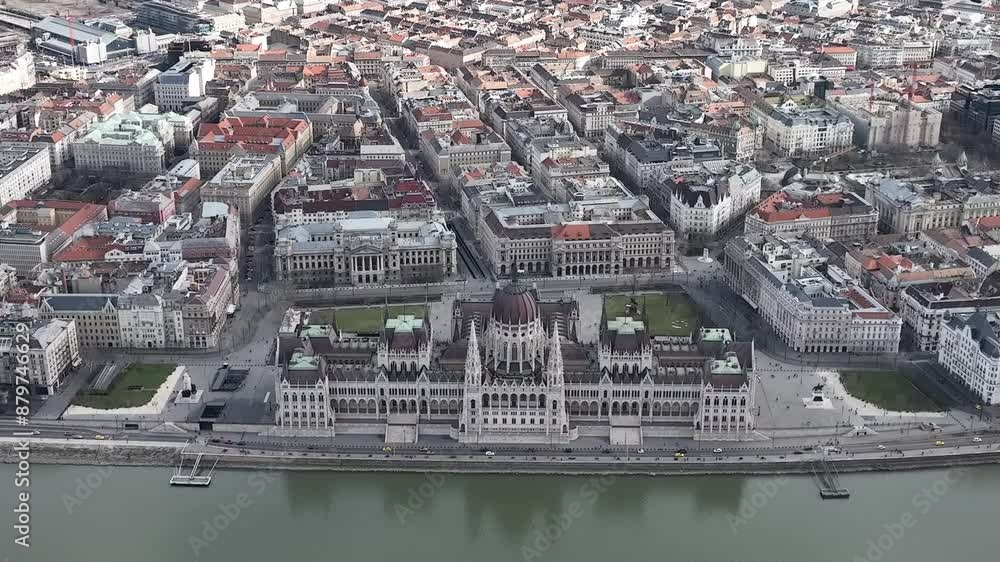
x=515 y=304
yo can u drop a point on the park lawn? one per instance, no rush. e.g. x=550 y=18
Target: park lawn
x=672 y=314
x=149 y=376
x=365 y=320
x=887 y=389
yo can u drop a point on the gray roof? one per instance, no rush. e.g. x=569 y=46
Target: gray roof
x=79 y=303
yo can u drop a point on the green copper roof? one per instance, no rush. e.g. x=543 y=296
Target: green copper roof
x=716 y=335
x=626 y=325
x=303 y=362
x=727 y=366
x=404 y=323
x=317 y=331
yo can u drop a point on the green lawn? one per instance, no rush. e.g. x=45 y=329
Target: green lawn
x=672 y=314
x=887 y=389
x=148 y=376
x=364 y=320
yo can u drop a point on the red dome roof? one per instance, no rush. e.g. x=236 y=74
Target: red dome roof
x=515 y=304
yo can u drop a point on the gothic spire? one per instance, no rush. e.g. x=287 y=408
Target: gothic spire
x=473 y=363
x=555 y=367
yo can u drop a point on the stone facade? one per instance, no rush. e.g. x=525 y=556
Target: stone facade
x=512 y=372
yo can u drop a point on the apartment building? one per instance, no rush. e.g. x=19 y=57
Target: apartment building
x=53 y=349
x=892 y=54
x=840 y=215
x=887 y=270
x=592 y=112
x=647 y=154
x=847 y=56
x=812 y=305
x=34 y=230
x=521 y=133
x=8 y=280
x=185 y=308
x=17 y=69
x=704 y=203
x=970 y=350
x=553 y=170
x=795 y=131
x=183 y=83
x=365 y=250
x=926 y=308
x=296 y=202
x=198 y=19
x=22 y=170
x=471 y=144
x=244 y=182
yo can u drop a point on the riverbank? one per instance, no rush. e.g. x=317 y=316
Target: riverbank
x=169 y=454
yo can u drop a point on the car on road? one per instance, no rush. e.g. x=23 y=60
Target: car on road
x=78 y=436
x=67 y=434
x=386 y=449
x=36 y=432
x=680 y=455
x=977 y=439
x=939 y=443
x=100 y=437
x=490 y=454
x=716 y=450
x=881 y=447
x=641 y=451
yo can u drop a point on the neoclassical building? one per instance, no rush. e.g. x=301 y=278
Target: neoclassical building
x=513 y=371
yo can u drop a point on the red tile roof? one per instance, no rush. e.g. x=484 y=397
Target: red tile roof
x=90 y=248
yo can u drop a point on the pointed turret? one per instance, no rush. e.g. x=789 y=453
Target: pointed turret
x=555 y=367
x=963 y=161
x=473 y=363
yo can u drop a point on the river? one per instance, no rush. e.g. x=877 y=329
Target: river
x=79 y=514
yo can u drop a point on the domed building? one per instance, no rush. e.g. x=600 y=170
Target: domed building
x=514 y=389
x=513 y=369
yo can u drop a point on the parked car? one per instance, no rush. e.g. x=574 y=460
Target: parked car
x=977 y=439
x=490 y=454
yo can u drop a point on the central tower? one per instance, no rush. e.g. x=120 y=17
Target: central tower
x=515 y=337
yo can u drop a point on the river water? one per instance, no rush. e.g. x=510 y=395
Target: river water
x=79 y=514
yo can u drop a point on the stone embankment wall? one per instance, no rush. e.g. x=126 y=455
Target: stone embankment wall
x=144 y=455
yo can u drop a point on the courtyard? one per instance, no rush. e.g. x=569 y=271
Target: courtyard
x=362 y=320
x=667 y=314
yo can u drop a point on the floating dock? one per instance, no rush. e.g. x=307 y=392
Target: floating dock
x=194 y=477
x=828 y=481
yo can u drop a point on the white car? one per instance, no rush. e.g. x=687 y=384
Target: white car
x=490 y=454
x=716 y=450
x=881 y=447
x=977 y=439
x=641 y=451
